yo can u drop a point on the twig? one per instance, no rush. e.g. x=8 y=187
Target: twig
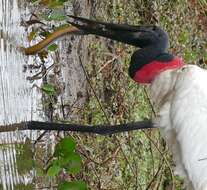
x=91 y=86
x=155 y=176
x=106 y=117
x=149 y=101
x=163 y=156
x=125 y=157
x=165 y=159
x=108 y=62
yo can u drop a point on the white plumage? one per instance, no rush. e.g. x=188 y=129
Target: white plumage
x=180 y=95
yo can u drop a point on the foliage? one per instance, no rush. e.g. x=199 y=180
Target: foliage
x=75 y=185
x=138 y=160
x=143 y=160
x=48 y=89
x=65 y=159
x=24 y=157
x=24 y=187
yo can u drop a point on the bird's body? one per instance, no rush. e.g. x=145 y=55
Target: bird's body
x=179 y=91
x=180 y=96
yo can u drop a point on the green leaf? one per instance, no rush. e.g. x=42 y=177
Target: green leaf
x=49 y=89
x=24 y=157
x=61 y=27
x=183 y=37
x=74 y=163
x=52 y=47
x=45 y=33
x=31 y=36
x=56 y=15
x=39 y=172
x=54 y=169
x=205 y=55
x=189 y=55
x=75 y=185
x=64 y=147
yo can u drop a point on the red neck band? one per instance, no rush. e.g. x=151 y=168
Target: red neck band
x=149 y=71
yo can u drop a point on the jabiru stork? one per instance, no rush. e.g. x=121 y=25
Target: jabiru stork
x=178 y=91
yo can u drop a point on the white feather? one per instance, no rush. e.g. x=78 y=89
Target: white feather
x=181 y=97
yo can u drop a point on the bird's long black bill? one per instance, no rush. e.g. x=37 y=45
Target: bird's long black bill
x=133 y=35
x=97 y=129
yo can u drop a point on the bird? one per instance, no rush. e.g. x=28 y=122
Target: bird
x=177 y=90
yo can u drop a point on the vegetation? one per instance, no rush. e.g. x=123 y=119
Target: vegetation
x=136 y=160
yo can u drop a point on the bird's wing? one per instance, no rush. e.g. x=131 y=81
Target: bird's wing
x=182 y=98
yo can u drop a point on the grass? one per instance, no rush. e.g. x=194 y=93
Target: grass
x=137 y=160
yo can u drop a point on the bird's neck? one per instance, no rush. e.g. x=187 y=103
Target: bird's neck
x=148 y=72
